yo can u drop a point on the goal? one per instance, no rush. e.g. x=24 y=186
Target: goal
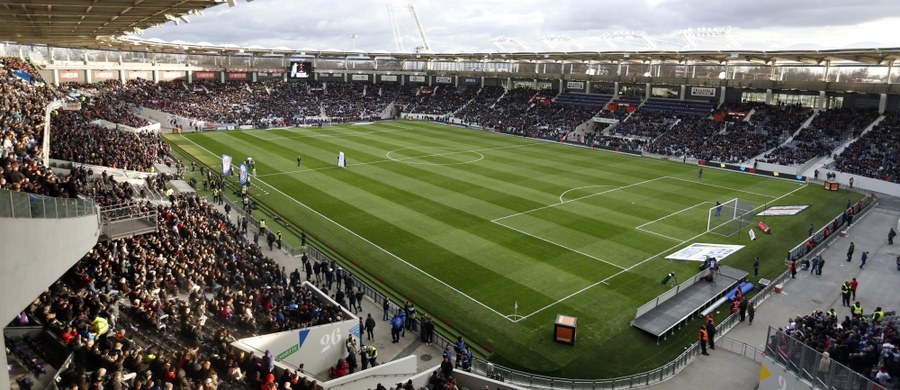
x=730 y=217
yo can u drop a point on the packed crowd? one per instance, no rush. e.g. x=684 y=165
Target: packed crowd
x=827 y=131
x=646 y=124
x=443 y=99
x=344 y=102
x=166 y=306
x=480 y=109
x=22 y=104
x=517 y=112
x=692 y=137
x=74 y=139
x=876 y=154
x=597 y=140
x=264 y=103
x=864 y=343
x=102 y=101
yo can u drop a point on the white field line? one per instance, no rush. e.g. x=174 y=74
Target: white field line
x=658 y=234
x=476 y=150
x=314 y=211
x=605 y=280
x=671 y=214
x=722 y=187
x=562 y=195
x=560 y=245
x=576 y=199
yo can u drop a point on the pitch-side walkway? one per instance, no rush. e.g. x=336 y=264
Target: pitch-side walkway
x=806 y=293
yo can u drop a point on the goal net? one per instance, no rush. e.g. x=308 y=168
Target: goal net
x=729 y=217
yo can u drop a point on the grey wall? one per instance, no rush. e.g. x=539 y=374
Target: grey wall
x=36 y=252
x=33 y=254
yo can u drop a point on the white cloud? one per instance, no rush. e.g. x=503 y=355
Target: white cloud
x=472 y=25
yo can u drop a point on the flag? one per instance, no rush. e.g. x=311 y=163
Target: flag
x=517 y=305
x=244 y=179
x=226 y=165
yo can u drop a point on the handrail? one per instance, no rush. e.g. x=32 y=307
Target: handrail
x=14 y=204
x=128 y=212
x=805 y=362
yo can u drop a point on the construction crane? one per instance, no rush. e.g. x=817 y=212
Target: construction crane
x=395 y=26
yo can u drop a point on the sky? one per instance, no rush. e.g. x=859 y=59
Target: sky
x=532 y=25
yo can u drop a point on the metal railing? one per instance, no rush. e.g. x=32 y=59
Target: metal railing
x=126 y=220
x=15 y=204
x=830 y=230
x=807 y=363
x=741 y=348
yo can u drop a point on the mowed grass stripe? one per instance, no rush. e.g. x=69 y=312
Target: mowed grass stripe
x=385 y=174
x=576 y=269
x=604 y=310
x=531 y=295
x=385 y=213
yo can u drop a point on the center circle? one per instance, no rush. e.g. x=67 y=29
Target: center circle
x=433 y=155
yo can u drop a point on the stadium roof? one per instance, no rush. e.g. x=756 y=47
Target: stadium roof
x=873 y=56
x=116 y=25
x=79 y=23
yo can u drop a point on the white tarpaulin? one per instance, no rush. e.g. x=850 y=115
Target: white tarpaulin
x=784 y=210
x=700 y=251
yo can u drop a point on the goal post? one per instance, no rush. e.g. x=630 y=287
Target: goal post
x=729 y=217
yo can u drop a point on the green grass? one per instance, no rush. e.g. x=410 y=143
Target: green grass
x=466 y=224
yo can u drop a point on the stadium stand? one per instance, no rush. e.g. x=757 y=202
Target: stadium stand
x=442 y=100
x=479 y=110
x=685 y=107
x=74 y=139
x=583 y=99
x=646 y=124
x=876 y=154
x=182 y=294
x=827 y=131
x=21 y=122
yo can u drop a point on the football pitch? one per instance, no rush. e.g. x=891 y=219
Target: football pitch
x=494 y=235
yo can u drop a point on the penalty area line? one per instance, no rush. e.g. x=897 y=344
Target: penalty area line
x=642 y=262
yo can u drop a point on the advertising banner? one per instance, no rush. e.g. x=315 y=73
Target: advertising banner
x=443 y=79
x=359 y=77
x=784 y=210
x=103 y=75
x=703 y=91
x=237 y=76
x=417 y=79
x=469 y=81
x=389 y=78
x=69 y=75
x=700 y=251
x=205 y=75
x=575 y=85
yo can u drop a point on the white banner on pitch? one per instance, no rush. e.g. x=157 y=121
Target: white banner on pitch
x=700 y=251
x=784 y=210
x=341 y=161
